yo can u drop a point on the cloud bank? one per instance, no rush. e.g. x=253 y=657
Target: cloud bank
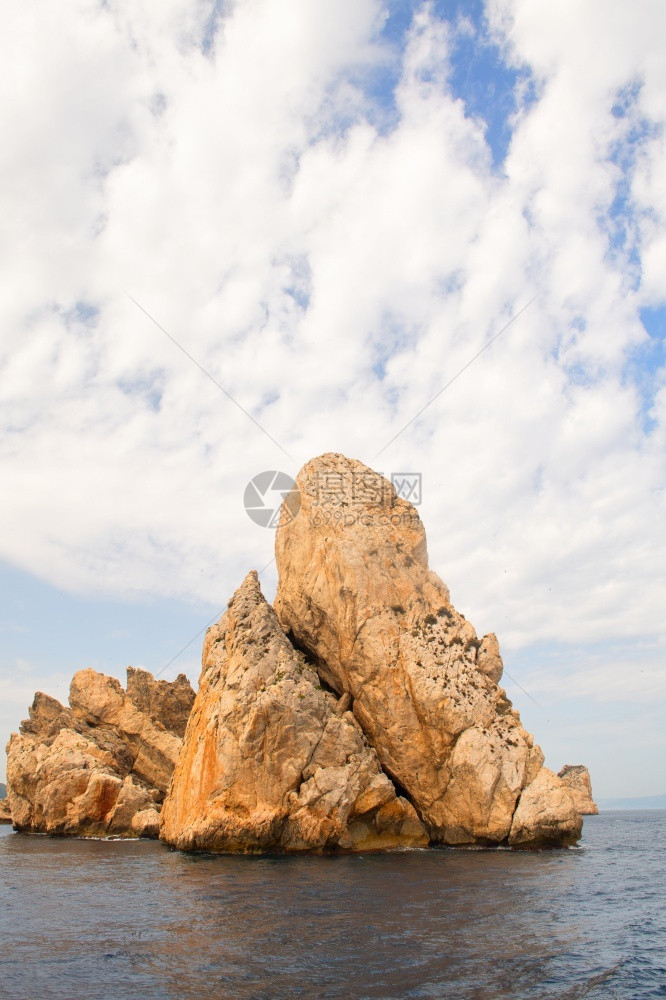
x=307 y=196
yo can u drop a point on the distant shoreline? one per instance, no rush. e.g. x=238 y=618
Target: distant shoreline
x=645 y=802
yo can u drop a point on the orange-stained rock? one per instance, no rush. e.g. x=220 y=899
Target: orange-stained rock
x=269 y=759
x=100 y=700
x=92 y=768
x=355 y=593
x=576 y=777
x=5 y=812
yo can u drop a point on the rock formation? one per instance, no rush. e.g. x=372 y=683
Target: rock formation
x=5 y=813
x=269 y=759
x=102 y=766
x=576 y=777
x=362 y=713
x=356 y=596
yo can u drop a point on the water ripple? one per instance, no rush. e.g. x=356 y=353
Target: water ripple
x=101 y=920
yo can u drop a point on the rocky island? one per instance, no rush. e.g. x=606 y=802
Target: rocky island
x=361 y=712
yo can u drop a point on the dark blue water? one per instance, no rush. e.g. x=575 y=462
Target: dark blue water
x=94 y=920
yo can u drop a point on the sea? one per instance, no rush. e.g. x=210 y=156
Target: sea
x=105 y=920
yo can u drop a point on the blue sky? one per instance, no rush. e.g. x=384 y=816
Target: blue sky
x=332 y=207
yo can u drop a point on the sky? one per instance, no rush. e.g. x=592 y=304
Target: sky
x=240 y=234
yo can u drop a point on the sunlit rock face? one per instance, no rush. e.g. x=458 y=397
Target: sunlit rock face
x=270 y=760
x=101 y=766
x=356 y=595
x=576 y=777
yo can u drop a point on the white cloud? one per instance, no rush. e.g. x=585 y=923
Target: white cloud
x=242 y=195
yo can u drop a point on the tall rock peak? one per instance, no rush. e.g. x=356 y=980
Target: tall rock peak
x=356 y=594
